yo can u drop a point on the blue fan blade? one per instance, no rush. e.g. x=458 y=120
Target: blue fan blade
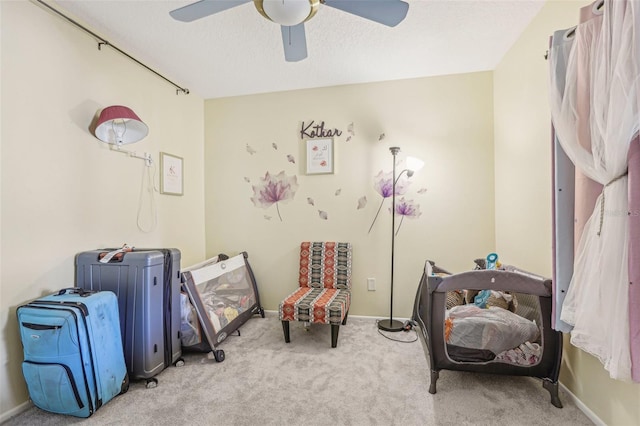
x=203 y=8
x=294 y=42
x=386 y=12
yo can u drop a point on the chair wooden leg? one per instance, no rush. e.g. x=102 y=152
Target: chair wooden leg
x=334 y=334
x=285 y=328
x=344 y=321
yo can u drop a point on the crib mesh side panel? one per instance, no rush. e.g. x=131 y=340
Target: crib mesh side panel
x=529 y=307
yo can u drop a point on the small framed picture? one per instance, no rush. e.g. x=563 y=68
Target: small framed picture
x=171 y=175
x=319 y=156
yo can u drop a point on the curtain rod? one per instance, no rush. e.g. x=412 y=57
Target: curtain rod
x=102 y=41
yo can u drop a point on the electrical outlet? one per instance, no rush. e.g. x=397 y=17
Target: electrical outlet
x=371 y=284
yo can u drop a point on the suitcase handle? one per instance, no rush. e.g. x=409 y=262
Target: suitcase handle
x=80 y=291
x=114 y=255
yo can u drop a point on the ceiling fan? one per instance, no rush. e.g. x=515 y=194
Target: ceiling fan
x=292 y=14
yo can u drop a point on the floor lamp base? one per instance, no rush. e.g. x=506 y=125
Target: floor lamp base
x=390 y=325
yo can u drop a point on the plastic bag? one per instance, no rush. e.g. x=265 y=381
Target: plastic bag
x=495 y=329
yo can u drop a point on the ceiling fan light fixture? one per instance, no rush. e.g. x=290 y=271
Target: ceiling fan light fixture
x=287 y=12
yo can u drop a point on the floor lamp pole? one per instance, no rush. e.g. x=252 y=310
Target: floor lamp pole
x=391 y=324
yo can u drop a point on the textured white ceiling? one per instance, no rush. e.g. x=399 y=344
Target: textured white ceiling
x=238 y=52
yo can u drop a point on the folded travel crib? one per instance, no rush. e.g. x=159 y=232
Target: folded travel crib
x=220 y=294
x=511 y=334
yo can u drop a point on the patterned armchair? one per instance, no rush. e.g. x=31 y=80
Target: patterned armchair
x=324 y=295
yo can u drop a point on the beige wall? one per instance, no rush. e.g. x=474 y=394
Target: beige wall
x=62 y=190
x=446 y=121
x=523 y=195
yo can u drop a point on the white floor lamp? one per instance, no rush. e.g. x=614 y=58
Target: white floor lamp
x=413 y=164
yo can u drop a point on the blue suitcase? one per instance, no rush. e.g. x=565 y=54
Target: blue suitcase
x=73 y=357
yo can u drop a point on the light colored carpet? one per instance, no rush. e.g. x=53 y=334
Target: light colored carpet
x=366 y=380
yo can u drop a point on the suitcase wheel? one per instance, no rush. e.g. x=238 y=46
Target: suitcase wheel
x=179 y=362
x=125 y=384
x=218 y=355
x=152 y=383
x=262 y=312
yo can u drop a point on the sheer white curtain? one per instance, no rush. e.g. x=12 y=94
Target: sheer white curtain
x=602 y=69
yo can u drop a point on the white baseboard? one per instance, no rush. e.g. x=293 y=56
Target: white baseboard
x=15 y=411
x=582 y=407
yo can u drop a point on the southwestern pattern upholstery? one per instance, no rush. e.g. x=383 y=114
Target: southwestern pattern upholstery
x=324 y=293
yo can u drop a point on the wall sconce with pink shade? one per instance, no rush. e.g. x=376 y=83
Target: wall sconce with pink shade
x=118 y=125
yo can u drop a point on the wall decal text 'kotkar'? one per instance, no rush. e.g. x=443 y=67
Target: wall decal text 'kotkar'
x=313 y=130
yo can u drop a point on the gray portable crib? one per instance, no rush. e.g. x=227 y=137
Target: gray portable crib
x=534 y=295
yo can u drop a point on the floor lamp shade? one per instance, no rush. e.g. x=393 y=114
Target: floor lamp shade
x=119 y=125
x=413 y=165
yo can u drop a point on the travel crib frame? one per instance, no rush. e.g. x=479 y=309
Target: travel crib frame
x=429 y=313
x=213 y=276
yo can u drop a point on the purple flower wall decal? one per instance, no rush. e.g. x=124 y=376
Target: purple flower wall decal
x=274 y=189
x=383 y=184
x=407 y=208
